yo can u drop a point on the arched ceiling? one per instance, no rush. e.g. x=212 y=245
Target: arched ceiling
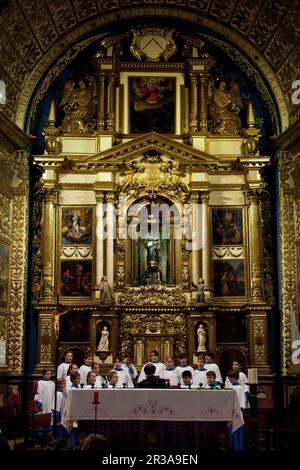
x=35 y=33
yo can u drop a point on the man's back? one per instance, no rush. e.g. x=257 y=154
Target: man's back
x=152 y=381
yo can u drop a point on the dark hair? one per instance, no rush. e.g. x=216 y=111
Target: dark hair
x=149 y=369
x=211 y=373
x=210 y=354
x=183 y=355
x=186 y=373
x=44 y=371
x=233 y=374
x=154 y=351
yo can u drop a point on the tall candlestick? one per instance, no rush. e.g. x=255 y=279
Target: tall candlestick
x=96 y=397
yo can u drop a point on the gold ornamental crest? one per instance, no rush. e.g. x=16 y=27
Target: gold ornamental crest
x=153 y=44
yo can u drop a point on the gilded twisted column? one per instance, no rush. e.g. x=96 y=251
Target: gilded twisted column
x=101 y=102
x=255 y=247
x=203 y=104
x=193 y=103
x=206 y=244
x=49 y=255
x=111 y=103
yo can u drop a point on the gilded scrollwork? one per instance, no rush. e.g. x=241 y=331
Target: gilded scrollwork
x=152 y=296
x=224 y=107
x=80 y=105
x=259 y=343
x=172 y=324
x=46 y=329
x=5 y=211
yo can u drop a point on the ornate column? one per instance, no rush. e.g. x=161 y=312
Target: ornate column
x=50 y=200
x=99 y=236
x=111 y=235
x=101 y=102
x=111 y=103
x=258 y=339
x=203 y=104
x=206 y=244
x=193 y=103
x=196 y=240
x=255 y=247
x=46 y=342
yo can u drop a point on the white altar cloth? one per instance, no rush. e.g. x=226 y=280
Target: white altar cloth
x=154 y=405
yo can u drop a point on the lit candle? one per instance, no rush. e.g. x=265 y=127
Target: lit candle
x=34 y=387
x=96 y=396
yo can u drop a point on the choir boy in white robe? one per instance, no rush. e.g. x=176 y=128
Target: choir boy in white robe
x=85 y=368
x=233 y=382
x=186 y=379
x=199 y=375
x=211 y=365
x=183 y=359
x=62 y=370
x=169 y=373
x=212 y=384
x=124 y=379
x=243 y=379
x=112 y=379
x=91 y=380
x=73 y=369
x=61 y=398
x=154 y=359
x=45 y=392
x=99 y=379
x=127 y=365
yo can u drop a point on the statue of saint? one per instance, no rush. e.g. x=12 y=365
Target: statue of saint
x=200 y=296
x=104 y=340
x=105 y=291
x=152 y=251
x=201 y=335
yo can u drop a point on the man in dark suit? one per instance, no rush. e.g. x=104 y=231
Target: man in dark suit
x=151 y=380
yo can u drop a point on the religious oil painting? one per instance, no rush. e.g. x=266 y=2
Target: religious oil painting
x=229 y=278
x=152 y=105
x=76 y=226
x=4 y=262
x=227 y=226
x=76 y=278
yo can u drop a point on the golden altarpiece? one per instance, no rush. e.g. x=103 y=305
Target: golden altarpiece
x=149 y=135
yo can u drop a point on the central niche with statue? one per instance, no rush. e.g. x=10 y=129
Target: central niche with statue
x=151 y=246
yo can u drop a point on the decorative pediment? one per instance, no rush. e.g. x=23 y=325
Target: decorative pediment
x=152 y=141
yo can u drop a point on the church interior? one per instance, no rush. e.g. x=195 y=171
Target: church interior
x=125 y=230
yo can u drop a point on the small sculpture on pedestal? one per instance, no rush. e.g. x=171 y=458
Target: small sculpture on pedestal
x=105 y=291
x=200 y=296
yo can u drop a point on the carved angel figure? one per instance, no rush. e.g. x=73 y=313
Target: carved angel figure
x=80 y=105
x=224 y=107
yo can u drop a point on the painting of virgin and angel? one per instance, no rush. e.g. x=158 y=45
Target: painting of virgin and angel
x=76 y=226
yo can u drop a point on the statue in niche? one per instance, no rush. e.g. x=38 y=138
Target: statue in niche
x=201 y=336
x=224 y=107
x=80 y=105
x=152 y=251
x=104 y=340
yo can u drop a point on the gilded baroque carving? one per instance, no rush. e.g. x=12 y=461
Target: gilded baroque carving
x=267 y=241
x=75 y=252
x=150 y=296
x=3 y=327
x=153 y=44
x=5 y=211
x=224 y=107
x=46 y=328
x=288 y=254
x=259 y=345
x=79 y=104
x=256 y=281
x=146 y=323
x=228 y=252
